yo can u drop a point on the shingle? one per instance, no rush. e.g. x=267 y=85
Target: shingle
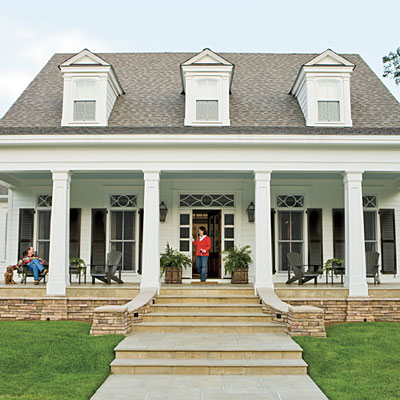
x=260 y=100
x=3 y=191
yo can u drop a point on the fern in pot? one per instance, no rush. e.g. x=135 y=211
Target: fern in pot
x=237 y=262
x=171 y=262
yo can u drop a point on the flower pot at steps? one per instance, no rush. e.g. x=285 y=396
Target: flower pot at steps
x=173 y=275
x=241 y=275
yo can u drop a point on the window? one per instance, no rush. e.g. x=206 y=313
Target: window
x=290 y=235
x=207 y=200
x=85 y=103
x=328 y=101
x=229 y=231
x=370 y=230
x=123 y=237
x=207 y=100
x=328 y=111
x=184 y=232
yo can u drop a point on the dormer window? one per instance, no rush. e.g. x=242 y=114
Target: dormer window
x=85 y=100
x=91 y=88
x=206 y=80
x=322 y=89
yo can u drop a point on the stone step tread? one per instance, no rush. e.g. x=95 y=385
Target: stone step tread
x=273 y=362
x=223 y=324
x=206 y=305
x=205 y=314
x=218 y=296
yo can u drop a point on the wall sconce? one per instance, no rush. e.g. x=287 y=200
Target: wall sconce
x=250 y=211
x=163 y=212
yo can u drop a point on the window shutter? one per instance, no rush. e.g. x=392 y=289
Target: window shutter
x=25 y=237
x=74 y=232
x=388 y=241
x=338 y=233
x=98 y=251
x=141 y=216
x=273 y=239
x=314 y=218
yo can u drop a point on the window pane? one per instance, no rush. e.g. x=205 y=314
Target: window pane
x=297 y=248
x=297 y=225
x=207 y=88
x=328 y=111
x=79 y=111
x=184 y=245
x=370 y=225
x=212 y=110
x=201 y=111
x=43 y=250
x=284 y=248
x=116 y=225
x=284 y=225
x=90 y=86
x=229 y=244
x=229 y=233
x=184 y=219
x=90 y=111
x=207 y=110
x=116 y=246
x=370 y=246
x=129 y=225
x=229 y=219
x=44 y=225
x=184 y=233
x=129 y=257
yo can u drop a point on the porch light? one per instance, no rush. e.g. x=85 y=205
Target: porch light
x=250 y=211
x=163 y=212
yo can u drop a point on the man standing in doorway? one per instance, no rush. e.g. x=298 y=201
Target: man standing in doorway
x=203 y=244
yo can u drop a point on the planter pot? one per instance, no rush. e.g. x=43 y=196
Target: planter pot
x=241 y=275
x=173 y=275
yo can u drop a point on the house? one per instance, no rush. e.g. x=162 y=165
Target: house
x=129 y=151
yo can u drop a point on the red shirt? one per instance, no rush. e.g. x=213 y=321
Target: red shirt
x=204 y=244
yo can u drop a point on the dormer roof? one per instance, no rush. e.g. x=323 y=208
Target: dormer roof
x=207 y=61
x=329 y=57
x=85 y=57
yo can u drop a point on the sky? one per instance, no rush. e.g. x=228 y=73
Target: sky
x=31 y=32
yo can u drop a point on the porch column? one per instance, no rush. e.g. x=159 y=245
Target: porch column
x=151 y=231
x=263 y=248
x=59 y=234
x=354 y=235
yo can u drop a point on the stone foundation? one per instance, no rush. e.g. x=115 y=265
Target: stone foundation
x=306 y=321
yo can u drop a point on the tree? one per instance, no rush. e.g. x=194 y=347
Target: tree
x=391 y=65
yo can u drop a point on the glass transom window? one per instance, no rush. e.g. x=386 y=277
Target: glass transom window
x=206 y=200
x=290 y=201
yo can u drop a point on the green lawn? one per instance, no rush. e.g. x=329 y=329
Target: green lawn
x=359 y=361
x=52 y=360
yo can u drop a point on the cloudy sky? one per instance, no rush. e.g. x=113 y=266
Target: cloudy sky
x=30 y=32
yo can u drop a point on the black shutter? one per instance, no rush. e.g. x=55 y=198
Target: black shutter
x=388 y=241
x=338 y=233
x=141 y=216
x=273 y=239
x=314 y=218
x=74 y=232
x=25 y=236
x=98 y=251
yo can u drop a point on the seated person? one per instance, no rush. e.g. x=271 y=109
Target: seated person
x=34 y=264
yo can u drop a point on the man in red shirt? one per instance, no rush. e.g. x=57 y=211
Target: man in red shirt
x=203 y=244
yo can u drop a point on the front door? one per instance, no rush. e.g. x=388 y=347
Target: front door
x=211 y=220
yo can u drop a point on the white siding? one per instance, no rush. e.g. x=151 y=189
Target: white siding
x=111 y=97
x=302 y=99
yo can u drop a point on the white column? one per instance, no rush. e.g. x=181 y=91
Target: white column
x=263 y=248
x=151 y=230
x=354 y=235
x=59 y=234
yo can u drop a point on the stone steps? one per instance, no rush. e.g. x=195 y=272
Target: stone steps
x=209 y=366
x=206 y=317
x=208 y=327
x=205 y=291
x=205 y=307
x=221 y=299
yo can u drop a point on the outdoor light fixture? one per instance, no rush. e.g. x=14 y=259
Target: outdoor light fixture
x=250 y=211
x=163 y=212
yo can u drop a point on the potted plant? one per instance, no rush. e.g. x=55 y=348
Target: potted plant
x=332 y=263
x=77 y=266
x=237 y=262
x=171 y=262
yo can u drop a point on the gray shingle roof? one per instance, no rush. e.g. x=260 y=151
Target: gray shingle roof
x=3 y=190
x=260 y=101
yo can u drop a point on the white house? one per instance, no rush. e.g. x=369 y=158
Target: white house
x=97 y=143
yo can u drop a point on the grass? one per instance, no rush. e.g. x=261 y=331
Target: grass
x=357 y=361
x=52 y=360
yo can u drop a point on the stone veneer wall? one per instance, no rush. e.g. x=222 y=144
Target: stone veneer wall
x=55 y=308
x=353 y=309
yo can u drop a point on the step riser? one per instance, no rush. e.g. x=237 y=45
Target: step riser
x=212 y=355
x=206 y=292
x=208 y=329
x=195 y=318
x=204 y=308
x=200 y=370
x=205 y=300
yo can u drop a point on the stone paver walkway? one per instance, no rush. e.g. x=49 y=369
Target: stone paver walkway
x=209 y=387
